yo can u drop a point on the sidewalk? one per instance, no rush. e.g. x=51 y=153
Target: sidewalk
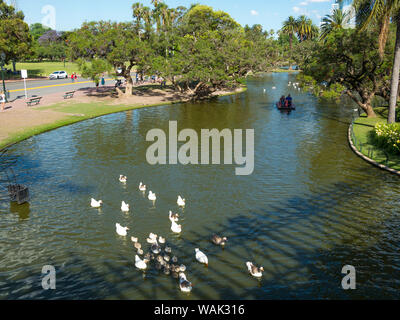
x=20 y=103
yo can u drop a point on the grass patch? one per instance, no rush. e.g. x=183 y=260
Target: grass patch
x=363 y=129
x=43 y=69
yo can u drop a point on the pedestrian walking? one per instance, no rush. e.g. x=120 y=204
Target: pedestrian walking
x=75 y=76
x=103 y=81
x=2 y=101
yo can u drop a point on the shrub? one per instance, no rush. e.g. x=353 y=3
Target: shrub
x=387 y=136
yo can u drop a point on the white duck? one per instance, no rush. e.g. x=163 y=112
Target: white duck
x=124 y=207
x=254 y=271
x=142 y=187
x=140 y=264
x=201 y=257
x=173 y=217
x=161 y=240
x=122 y=231
x=134 y=240
x=123 y=179
x=152 y=239
x=176 y=228
x=152 y=236
x=96 y=204
x=152 y=196
x=273 y=88
x=184 y=284
x=181 y=202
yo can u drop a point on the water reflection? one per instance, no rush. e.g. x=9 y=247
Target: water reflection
x=22 y=210
x=310 y=207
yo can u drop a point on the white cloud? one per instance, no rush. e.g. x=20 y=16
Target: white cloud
x=254 y=13
x=296 y=9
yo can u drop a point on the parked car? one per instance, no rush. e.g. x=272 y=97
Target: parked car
x=58 y=75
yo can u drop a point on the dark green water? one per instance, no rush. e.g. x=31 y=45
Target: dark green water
x=310 y=207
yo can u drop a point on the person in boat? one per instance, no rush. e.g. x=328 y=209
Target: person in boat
x=282 y=102
x=288 y=102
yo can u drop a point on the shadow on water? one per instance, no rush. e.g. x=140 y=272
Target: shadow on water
x=257 y=235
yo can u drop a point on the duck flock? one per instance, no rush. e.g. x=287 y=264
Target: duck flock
x=295 y=85
x=160 y=253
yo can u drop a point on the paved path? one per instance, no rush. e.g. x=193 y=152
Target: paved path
x=45 y=86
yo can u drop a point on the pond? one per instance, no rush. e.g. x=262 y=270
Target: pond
x=310 y=207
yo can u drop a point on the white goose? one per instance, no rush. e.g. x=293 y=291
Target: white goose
x=140 y=264
x=123 y=179
x=176 y=228
x=124 y=207
x=201 y=257
x=142 y=187
x=254 y=271
x=122 y=231
x=152 y=196
x=96 y=204
x=181 y=202
x=173 y=217
x=184 y=284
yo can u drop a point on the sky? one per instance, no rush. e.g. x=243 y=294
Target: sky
x=65 y=15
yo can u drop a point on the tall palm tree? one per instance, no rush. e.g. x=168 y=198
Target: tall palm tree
x=137 y=8
x=290 y=28
x=305 y=29
x=148 y=21
x=335 y=21
x=378 y=13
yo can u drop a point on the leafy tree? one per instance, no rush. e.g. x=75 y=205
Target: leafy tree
x=95 y=69
x=15 y=39
x=351 y=59
x=37 y=30
x=378 y=13
x=117 y=43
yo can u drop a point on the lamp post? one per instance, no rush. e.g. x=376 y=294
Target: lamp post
x=2 y=62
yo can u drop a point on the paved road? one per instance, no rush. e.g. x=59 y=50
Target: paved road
x=45 y=86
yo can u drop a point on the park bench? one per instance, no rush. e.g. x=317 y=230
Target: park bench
x=33 y=101
x=69 y=95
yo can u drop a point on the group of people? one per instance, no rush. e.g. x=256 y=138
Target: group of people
x=74 y=77
x=286 y=102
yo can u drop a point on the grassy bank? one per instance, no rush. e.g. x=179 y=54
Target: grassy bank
x=77 y=112
x=279 y=70
x=363 y=128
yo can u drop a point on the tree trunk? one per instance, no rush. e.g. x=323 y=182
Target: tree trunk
x=383 y=35
x=129 y=86
x=365 y=104
x=395 y=77
x=14 y=67
x=290 y=49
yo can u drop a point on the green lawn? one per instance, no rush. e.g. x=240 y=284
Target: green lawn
x=43 y=69
x=80 y=111
x=363 y=128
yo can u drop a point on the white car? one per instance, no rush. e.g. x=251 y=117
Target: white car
x=58 y=75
